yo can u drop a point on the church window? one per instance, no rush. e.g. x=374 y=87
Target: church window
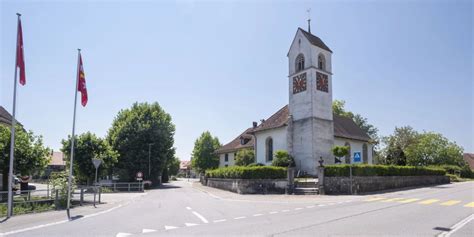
x=348 y=156
x=321 y=62
x=269 y=149
x=226 y=157
x=365 y=157
x=299 y=63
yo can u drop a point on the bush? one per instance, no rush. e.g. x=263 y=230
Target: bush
x=59 y=181
x=245 y=172
x=283 y=159
x=255 y=164
x=245 y=157
x=381 y=170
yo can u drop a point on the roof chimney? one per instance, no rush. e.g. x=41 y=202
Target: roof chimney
x=254 y=124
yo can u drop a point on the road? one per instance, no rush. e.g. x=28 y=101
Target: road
x=183 y=208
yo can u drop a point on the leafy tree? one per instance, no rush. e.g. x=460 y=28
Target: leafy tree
x=204 y=156
x=340 y=151
x=131 y=133
x=173 y=166
x=30 y=153
x=434 y=149
x=59 y=181
x=397 y=144
x=87 y=147
x=245 y=157
x=338 y=107
x=282 y=159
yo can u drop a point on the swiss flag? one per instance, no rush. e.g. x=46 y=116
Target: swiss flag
x=20 y=57
x=81 y=83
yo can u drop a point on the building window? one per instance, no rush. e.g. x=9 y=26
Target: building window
x=365 y=157
x=321 y=62
x=299 y=63
x=348 y=156
x=269 y=149
x=226 y=157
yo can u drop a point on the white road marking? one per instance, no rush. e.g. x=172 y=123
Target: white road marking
x=190 y=224
x=58 y=222
x=120 y=234
x=240 y=217
x=285 y=211
x=169 y=227
x=221 y=220
x=298 y=208
x=457 y=226
x=148 y=231
x=321 y=205
x=258 y=214
x=188 y=208
x=273 y=212
x=200 y=217
x=310 y=206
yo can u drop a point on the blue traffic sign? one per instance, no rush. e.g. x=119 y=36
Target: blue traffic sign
x=357 y=157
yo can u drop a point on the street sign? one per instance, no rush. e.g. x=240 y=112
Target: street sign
x=96 y=162
x=357 y=157
x=139 y=174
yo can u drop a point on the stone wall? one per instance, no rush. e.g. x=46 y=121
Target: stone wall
x=364 y=184
x=249 y=186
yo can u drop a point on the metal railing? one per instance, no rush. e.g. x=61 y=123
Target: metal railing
x=124 y=187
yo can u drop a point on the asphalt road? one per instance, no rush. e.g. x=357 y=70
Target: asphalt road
x=183 y=208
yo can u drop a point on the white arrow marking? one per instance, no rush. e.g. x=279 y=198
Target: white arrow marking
x=148 y=230
x=190 y=224
x=120 y=234
x=169 y=227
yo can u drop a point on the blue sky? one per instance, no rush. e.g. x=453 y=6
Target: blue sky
x=218 y=66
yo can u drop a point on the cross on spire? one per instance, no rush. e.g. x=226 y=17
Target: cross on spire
x=309 y=19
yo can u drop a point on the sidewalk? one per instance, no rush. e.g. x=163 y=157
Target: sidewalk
x=109 y=201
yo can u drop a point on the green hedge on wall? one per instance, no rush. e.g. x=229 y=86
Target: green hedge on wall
x=246 y=172
x=381 y=170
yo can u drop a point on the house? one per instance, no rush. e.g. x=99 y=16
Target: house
x=469 y=158
x=185 y=169
x=5 y=117
x=306 y=127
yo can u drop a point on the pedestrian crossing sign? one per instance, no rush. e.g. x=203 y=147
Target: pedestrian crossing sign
x=357 y=157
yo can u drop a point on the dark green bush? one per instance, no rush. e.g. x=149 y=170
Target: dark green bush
x=255 y=164
x=381 y=170
x=283 y=159
x=246 y=172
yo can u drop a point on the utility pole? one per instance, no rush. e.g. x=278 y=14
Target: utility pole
x=149 y=159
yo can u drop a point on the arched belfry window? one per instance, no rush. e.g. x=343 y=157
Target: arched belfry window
x=348 y=156
x=299 y=63
x=269 y=149
x=365 y=157
x=321 y=62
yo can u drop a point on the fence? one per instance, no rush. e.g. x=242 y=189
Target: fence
x=123 y=187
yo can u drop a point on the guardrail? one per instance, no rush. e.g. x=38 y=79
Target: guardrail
x=124 y=187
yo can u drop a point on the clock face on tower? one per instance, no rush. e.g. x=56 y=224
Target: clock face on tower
x=299 y=83
x=322 y=83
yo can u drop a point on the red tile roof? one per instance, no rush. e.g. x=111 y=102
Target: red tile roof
x=469 y=158
x=235 y=144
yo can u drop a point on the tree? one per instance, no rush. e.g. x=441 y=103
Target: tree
x=131 y=133
x=338 y=108
x=30 y=153
x=173 y=166
x=395 y=145
x=244 y=157
x=340 y=151
x=434 y=149
x=283 y=159
x=203 y=155
x=87 y=147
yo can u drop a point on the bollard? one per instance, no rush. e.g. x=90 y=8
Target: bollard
x=100 y=193
x=129 y=187
x=82 y=196
x=56 y=199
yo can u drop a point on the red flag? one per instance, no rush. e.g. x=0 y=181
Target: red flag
x=81 y=84
x=20 y=59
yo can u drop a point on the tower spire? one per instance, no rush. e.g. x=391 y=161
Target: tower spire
x=309 y=19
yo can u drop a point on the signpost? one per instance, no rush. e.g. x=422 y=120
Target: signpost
x=96 y=163
x=357 y=157
x=139 y=178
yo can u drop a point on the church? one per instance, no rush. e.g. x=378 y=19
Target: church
x=306 y=127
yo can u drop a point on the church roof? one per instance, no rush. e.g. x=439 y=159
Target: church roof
x=235 y=144
x=315 y=40
x=343 y=127
x=5 y=117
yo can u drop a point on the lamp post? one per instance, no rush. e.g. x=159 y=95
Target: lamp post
x=149 y=159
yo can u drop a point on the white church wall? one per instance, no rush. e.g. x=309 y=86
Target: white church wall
x=279 y=143
x=356 y=146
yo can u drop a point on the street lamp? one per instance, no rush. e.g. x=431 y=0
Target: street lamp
x=149 y=159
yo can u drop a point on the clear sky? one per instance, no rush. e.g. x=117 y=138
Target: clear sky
x=219 y=65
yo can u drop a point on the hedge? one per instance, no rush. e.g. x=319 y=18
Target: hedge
x=246 y=172
x=381 y=170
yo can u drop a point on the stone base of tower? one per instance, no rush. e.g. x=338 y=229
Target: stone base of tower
x=312 y=138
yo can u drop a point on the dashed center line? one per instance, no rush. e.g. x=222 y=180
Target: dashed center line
x=298 y=208
x=321 y=205
x=273 y=212
x=285 y=211
x=221 y=220
x=258 y=214
x=310 y=206
x=240 y=217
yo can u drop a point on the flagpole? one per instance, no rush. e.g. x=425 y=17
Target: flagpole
x=12 y=142
x=72 y=138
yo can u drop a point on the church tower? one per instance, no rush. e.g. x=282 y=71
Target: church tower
x=310 y=127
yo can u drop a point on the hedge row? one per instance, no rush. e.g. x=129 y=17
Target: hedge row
x=246 y=172
x=381 y=170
